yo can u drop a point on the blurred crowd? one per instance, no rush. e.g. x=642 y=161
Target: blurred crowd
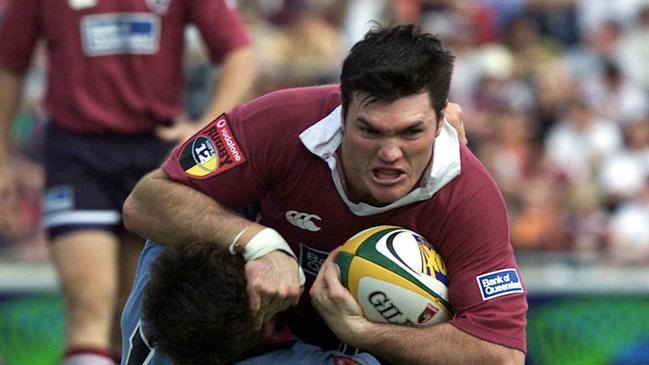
x=555 y=96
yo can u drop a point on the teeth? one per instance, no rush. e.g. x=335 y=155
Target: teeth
x=387 y=173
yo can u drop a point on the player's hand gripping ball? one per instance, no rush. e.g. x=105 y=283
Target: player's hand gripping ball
x=396 y=277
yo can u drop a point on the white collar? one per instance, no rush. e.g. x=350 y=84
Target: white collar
x=324 y=137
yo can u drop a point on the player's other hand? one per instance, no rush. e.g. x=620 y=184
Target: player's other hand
x=336 y=305
x=454 y=116
x=179 y=131
x=273 y=285
x=8 y=200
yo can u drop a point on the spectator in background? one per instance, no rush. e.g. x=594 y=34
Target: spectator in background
x=614 y=96
x=598 y=45
x=296 y=42
x=593 y=14
x=538 y=222
x=511 y=153
x=577 y=144
x=624 y=173
x=629 y=231
x=114 y=99
x=635 y=49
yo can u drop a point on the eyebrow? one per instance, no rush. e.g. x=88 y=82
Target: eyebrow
x=365 y=122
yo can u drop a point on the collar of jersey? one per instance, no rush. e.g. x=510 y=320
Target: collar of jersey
x=324 y=137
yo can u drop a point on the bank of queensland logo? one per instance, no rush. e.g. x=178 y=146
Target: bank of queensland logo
x=498 y=283
x=211 y=151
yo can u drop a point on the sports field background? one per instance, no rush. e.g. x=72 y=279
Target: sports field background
x=589 y=315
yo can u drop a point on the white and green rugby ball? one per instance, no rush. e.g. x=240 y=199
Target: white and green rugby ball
x=396 y=277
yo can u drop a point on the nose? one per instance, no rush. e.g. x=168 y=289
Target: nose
x=389 y=150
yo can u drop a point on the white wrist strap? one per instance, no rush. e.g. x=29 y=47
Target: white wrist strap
x=265 y=241
x=233 y=246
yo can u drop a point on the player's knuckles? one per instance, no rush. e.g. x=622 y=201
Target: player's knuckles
x=281 y=293
x=294 y=291
x=265 y=290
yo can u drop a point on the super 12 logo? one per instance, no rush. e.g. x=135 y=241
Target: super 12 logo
x=212 y=151
x=204 y=153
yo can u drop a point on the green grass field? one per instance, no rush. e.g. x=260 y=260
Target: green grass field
x=585 y=330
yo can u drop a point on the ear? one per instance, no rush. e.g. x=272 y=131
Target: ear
x=441 y=118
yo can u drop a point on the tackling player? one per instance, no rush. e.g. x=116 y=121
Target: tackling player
x=202 y=316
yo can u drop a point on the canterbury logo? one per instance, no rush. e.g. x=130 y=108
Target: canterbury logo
x=303 y=220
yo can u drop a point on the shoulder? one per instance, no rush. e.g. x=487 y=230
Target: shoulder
x=268 y=128
x=474 y=177
x=471 y=199
x=286 y=112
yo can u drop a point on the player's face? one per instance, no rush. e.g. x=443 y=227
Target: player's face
x=387 y=146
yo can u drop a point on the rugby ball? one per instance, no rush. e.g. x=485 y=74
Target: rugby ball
x=396 y=277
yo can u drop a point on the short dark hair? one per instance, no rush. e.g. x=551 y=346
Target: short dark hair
x=196 y=309
x=397 y=61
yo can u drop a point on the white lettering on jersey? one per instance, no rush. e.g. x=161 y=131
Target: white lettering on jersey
x=158 y=6
x=120 y=33
x=498 y=283
x=311 y=259
x=81 y=4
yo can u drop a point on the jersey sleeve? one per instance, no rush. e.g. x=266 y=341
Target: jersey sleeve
x=485 y=286
x=220 y=25
x=216 y=161
x=241 y=156
x=19 y=31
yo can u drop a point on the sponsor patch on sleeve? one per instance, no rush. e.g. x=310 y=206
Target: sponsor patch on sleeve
x=211 y=151
x=498 y=283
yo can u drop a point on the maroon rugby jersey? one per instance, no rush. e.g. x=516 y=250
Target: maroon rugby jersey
x=279 y=150
x=114 y=66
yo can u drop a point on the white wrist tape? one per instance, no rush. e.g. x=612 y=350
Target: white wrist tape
x=233 y=246
x=265 y=241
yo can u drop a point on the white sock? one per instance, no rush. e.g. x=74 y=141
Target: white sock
x=88 y=357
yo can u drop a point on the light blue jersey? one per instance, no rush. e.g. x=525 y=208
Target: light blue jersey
x=137 y=351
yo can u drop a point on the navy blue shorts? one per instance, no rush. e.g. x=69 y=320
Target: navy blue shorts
x=88 y=177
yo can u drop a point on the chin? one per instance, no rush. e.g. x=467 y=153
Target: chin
x=385 y=198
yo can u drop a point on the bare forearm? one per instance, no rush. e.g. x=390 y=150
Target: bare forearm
x=234 y=84
x=440 y=344
x=171 y=213
x=10 y=91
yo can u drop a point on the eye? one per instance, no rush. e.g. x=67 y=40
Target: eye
x=412 y=132
x=368 y=130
